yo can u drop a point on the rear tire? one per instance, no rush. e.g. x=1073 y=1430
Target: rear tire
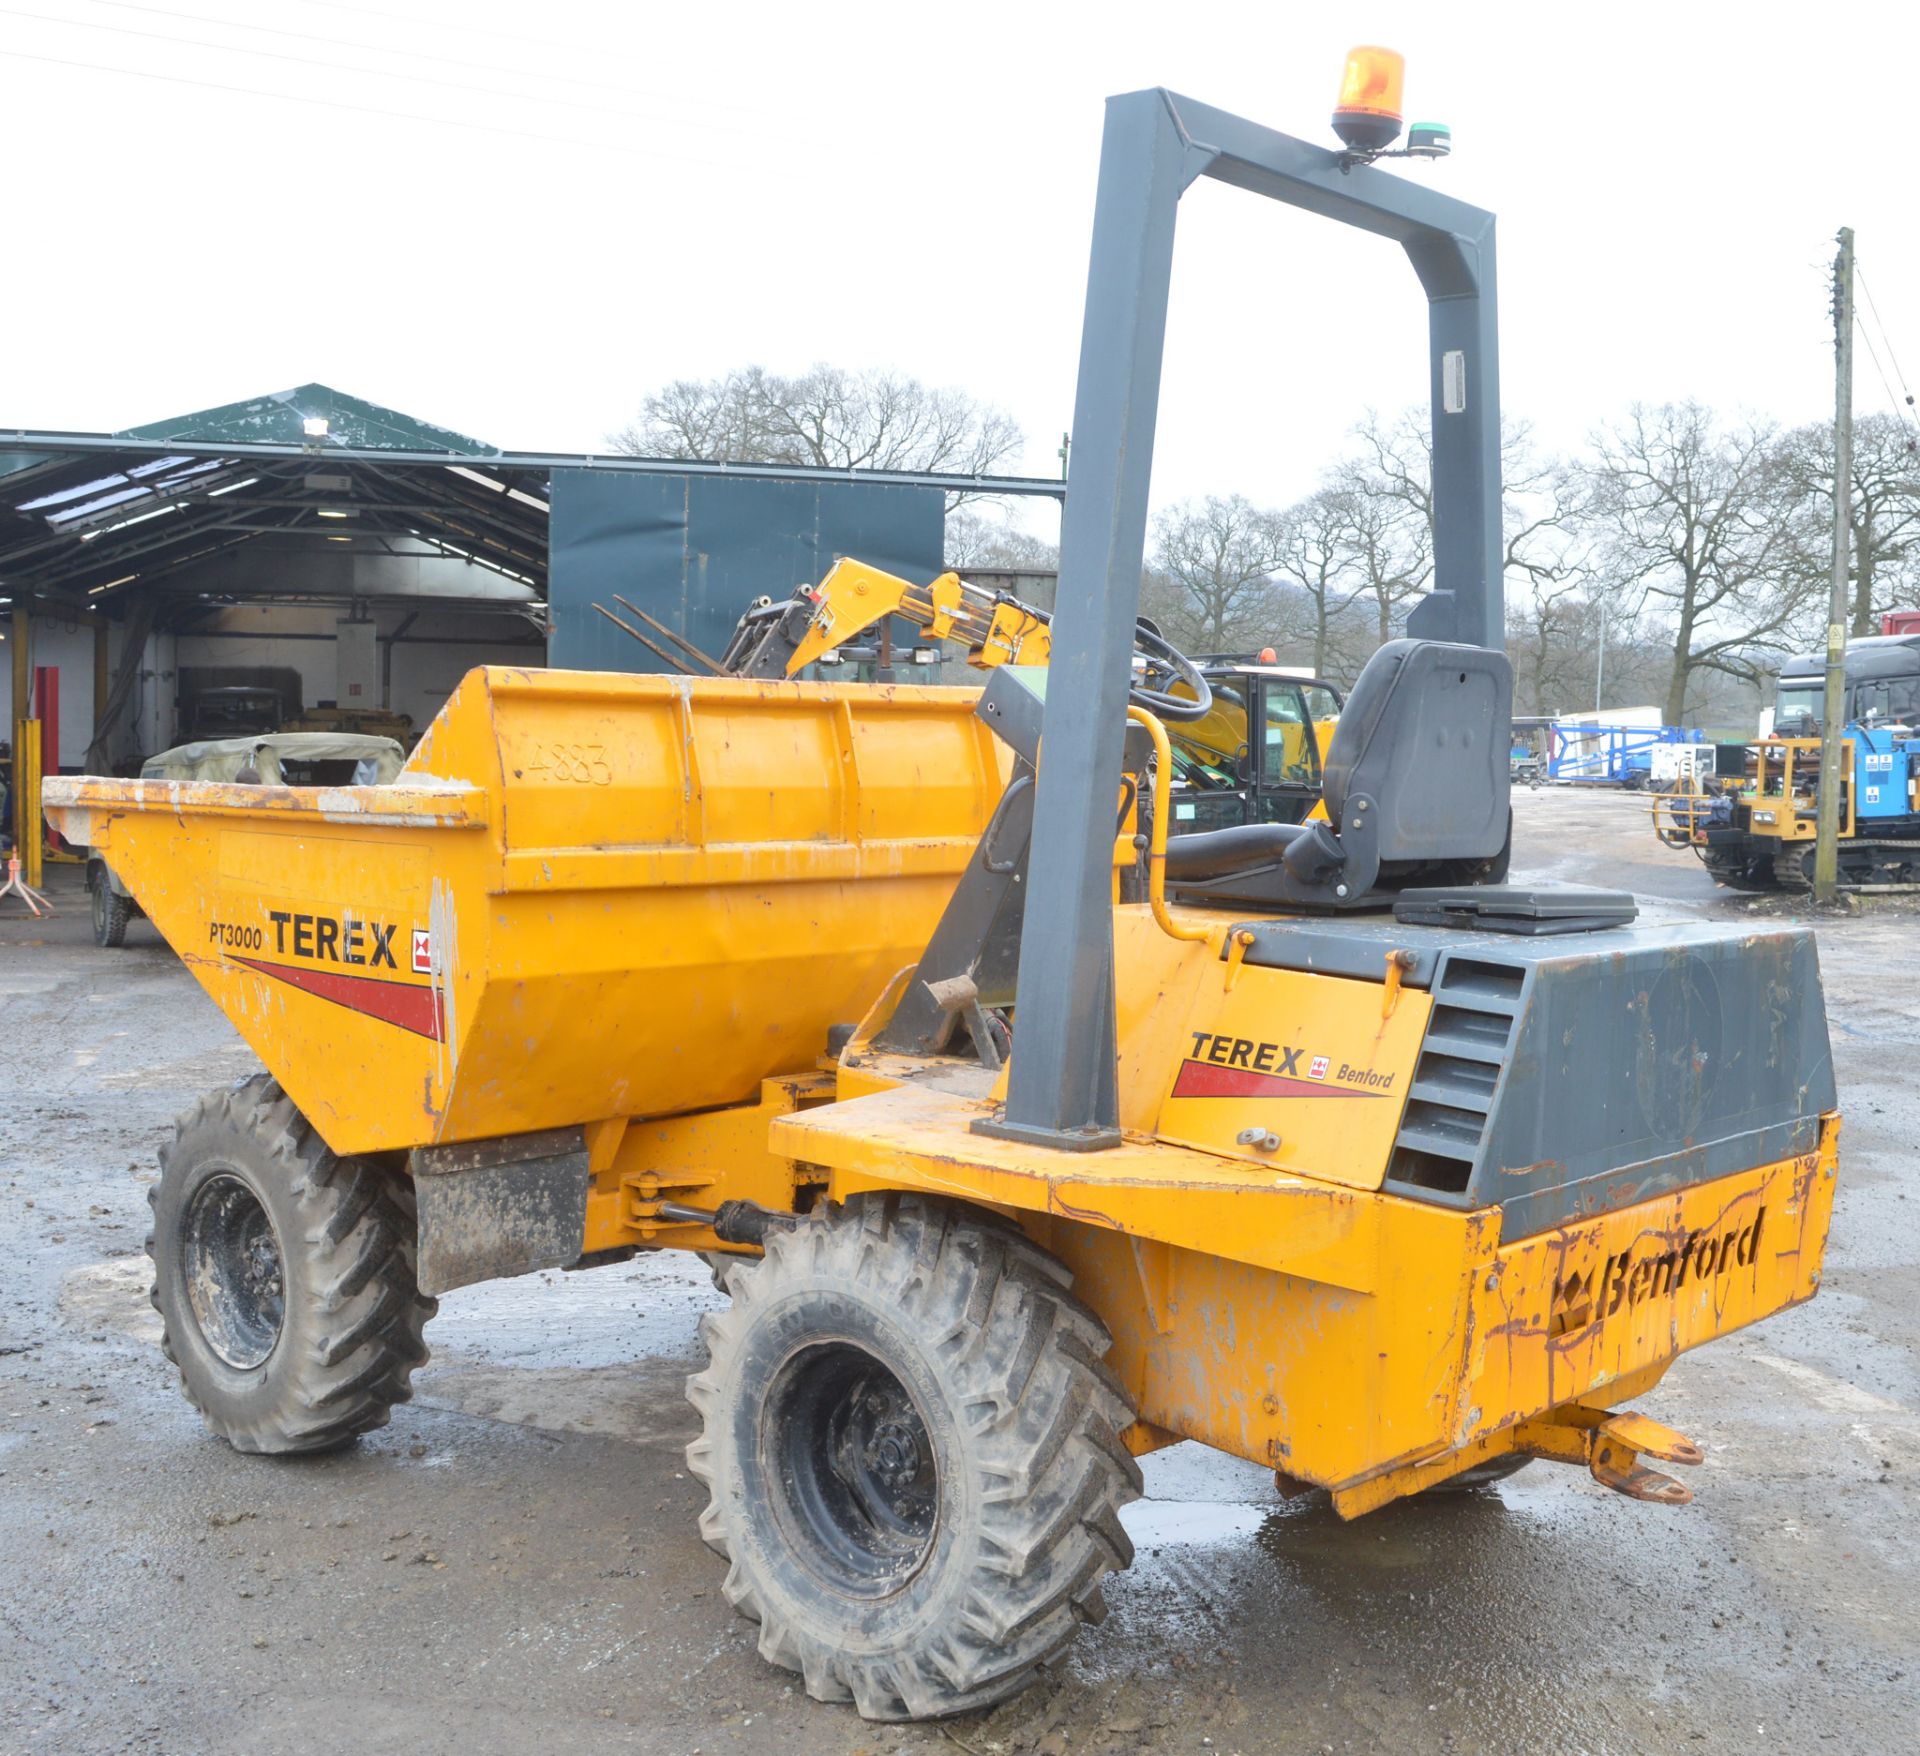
x=283 y=1275
x=1482 y=1475
x=913 y=1455
x=111 y=911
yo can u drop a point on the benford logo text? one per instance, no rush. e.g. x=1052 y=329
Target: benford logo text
x=1629 y=1277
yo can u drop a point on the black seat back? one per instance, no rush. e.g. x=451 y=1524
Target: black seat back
x=1425 y=736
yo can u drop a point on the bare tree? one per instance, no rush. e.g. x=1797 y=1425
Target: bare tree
x=1885 y=511
x=1573 y=649
x=1546 y=541
x=1550 y=636
x=1391 y=544
x=1393 y=472
x=827 y=416
x=1688 y=515
x=985 y=544
x=1211 y=572
x=1315 y=560
x=721 y=420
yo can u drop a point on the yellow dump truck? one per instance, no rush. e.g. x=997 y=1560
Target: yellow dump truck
x=1394 y=1206
x=1029 y=1140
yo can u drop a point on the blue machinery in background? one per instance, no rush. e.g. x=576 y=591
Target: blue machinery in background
x=1618 y=755
x=1886 y=761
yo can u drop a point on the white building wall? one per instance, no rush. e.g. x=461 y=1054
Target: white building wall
x=65 y=643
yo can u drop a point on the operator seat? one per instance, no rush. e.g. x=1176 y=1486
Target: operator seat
x=1416 y=789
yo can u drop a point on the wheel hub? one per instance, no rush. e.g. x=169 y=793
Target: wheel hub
x=231 y=1266
x=894 y=1455
x=854 y=1468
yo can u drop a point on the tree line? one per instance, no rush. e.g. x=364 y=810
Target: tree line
x=1674 y=558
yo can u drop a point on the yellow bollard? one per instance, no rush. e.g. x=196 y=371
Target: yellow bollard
x=28 y=834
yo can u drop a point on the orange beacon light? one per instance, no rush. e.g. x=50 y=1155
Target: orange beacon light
x=1367 y=117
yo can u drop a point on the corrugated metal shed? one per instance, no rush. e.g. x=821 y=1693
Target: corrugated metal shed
x=695 y=551
x=282 y=417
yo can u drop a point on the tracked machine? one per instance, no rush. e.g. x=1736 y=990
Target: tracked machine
x=1323 y=1151
x=1754 y=831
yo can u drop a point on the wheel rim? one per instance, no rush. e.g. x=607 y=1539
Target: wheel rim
x=852 y=1469
x=99 y=910
x=233 y=1274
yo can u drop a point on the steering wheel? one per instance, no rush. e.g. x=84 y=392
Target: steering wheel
x=1148 y=639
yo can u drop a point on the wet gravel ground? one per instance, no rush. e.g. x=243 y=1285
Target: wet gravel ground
x=512 y=1564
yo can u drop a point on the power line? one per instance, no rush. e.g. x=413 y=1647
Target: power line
x=1880 y=323
x=287 y=97
x=1873 y=353
x=383 y=49
x=387 y=15
x=492 y=91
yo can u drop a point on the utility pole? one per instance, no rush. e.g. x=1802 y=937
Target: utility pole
x=1600 y=661
x=1826 y=845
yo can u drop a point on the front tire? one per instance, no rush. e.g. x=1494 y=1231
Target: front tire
x=111 y=911
x=283 y=1275
x=913 y=1456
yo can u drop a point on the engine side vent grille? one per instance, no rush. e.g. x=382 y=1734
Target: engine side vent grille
x=1476 y=1008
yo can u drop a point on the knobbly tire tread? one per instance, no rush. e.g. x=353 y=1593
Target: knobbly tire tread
x=355 y=1316
x=111 y=913
x=1481 y=1475
x=1035 y=1416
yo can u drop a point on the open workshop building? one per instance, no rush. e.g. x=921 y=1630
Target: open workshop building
x=357 y=562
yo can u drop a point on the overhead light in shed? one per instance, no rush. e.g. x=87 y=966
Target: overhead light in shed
x=93 y=591
x=334 y=512
x=339 y=539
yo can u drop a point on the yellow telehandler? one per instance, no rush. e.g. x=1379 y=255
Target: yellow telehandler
x=1030 y=1139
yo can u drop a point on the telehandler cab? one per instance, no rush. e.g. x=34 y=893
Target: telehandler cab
x=1319 y=1151
x=1255 y=757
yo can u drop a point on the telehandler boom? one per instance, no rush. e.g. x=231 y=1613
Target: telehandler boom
x=1318 y=1148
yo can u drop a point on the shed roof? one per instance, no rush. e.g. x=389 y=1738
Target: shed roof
x=285 y=417
x=94 y=520
x=127 y=512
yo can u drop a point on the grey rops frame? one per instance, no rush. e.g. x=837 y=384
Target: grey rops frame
x=1062 y=1088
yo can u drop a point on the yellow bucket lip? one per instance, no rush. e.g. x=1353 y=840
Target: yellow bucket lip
x=421 y=802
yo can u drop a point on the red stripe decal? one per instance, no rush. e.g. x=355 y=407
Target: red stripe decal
x=414 y=1007
x=1209 y=1079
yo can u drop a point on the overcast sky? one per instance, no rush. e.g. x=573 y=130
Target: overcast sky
x=654 y=191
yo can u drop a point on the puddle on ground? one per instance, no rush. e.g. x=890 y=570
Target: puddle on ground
x=645 y=1309
x=110 y=1297
x=606 y=1352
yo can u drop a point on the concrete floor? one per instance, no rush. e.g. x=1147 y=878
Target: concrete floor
x=513 y=1563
